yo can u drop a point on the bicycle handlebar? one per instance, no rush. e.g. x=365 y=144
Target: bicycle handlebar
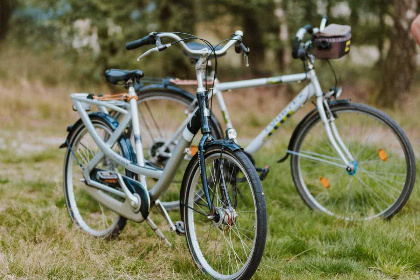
x=301 y=53
x=236 y=37
x=155 y=37
x=147 y=40
x=240 y=47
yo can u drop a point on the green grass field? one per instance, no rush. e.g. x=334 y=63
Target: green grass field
x=38 y=240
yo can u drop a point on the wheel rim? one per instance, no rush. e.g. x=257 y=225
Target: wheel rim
x=221 y=250
x=381 y=172
x=87 y=213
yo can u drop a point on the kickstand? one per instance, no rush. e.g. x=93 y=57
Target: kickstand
x=157 y=231
x=164 y=213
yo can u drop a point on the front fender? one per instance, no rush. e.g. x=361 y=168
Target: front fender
x=227 y=144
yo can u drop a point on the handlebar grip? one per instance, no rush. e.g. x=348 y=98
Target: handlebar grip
x=147 y=40
x=296 y=52
x=240 y=47
x=308 y=28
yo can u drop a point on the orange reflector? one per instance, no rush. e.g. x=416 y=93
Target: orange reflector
x=325 y=183
x=193 y=150
x=382 y=155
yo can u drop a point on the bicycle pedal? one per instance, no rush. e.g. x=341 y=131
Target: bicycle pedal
x=263 y=171
x=179 y=225
x=107 y=177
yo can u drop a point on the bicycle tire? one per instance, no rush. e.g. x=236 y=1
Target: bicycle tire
x=201 y=250
x=68 y=183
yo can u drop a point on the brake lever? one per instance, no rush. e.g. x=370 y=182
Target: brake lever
x=155 y=49
x=246 y=60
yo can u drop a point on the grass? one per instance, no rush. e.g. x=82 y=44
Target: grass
x=38 y=240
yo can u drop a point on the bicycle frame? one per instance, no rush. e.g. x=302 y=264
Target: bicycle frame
x=312 y=89
x=130 y=111
x=200 y=119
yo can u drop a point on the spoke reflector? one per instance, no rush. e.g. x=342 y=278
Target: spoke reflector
x=382 y=155
x=325 y=183
x=193 y=150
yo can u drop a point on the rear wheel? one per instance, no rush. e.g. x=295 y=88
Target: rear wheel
x=385 y=165
x=227 y=242
x=88 y=214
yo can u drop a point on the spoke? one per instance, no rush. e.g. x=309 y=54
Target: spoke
x=147 y=126
x=242 y=242
x=320 y=155
x=89 y=150
x=316 y=159
x=332 y=206
x=153 y=119
x=364 y=184
x=380 y=173
x=379 y=180
x=231 y=246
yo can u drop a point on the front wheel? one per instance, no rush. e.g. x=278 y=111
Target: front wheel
x=385 y=165
x=227 y=242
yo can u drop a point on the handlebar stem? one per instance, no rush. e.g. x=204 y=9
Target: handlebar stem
x=200 y=70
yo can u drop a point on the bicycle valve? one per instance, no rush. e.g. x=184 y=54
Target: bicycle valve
x=246 y=60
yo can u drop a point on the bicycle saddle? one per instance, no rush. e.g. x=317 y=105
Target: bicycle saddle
x=114 y=76
x=199 y=46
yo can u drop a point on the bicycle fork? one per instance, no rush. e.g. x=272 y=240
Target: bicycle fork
x=332 y=131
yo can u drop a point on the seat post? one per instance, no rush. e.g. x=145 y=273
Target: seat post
x=136 y=128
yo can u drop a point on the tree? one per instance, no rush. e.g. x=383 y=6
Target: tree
x=176 y=16
x=399 y=66
x=6 y=9
x=256 y=19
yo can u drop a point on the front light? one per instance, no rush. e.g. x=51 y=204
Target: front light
x=231 y=134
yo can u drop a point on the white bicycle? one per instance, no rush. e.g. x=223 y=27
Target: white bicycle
x=348 y=160
x=224 y=219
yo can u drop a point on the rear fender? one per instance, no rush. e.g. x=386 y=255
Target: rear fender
x=124 y=141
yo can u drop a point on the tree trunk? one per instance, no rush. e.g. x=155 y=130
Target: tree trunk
x=282 y=52
x=253 y=37
x=6 y=9
x=399 y=67
x=310 y=11
x=382 y=11
x=177 y=16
